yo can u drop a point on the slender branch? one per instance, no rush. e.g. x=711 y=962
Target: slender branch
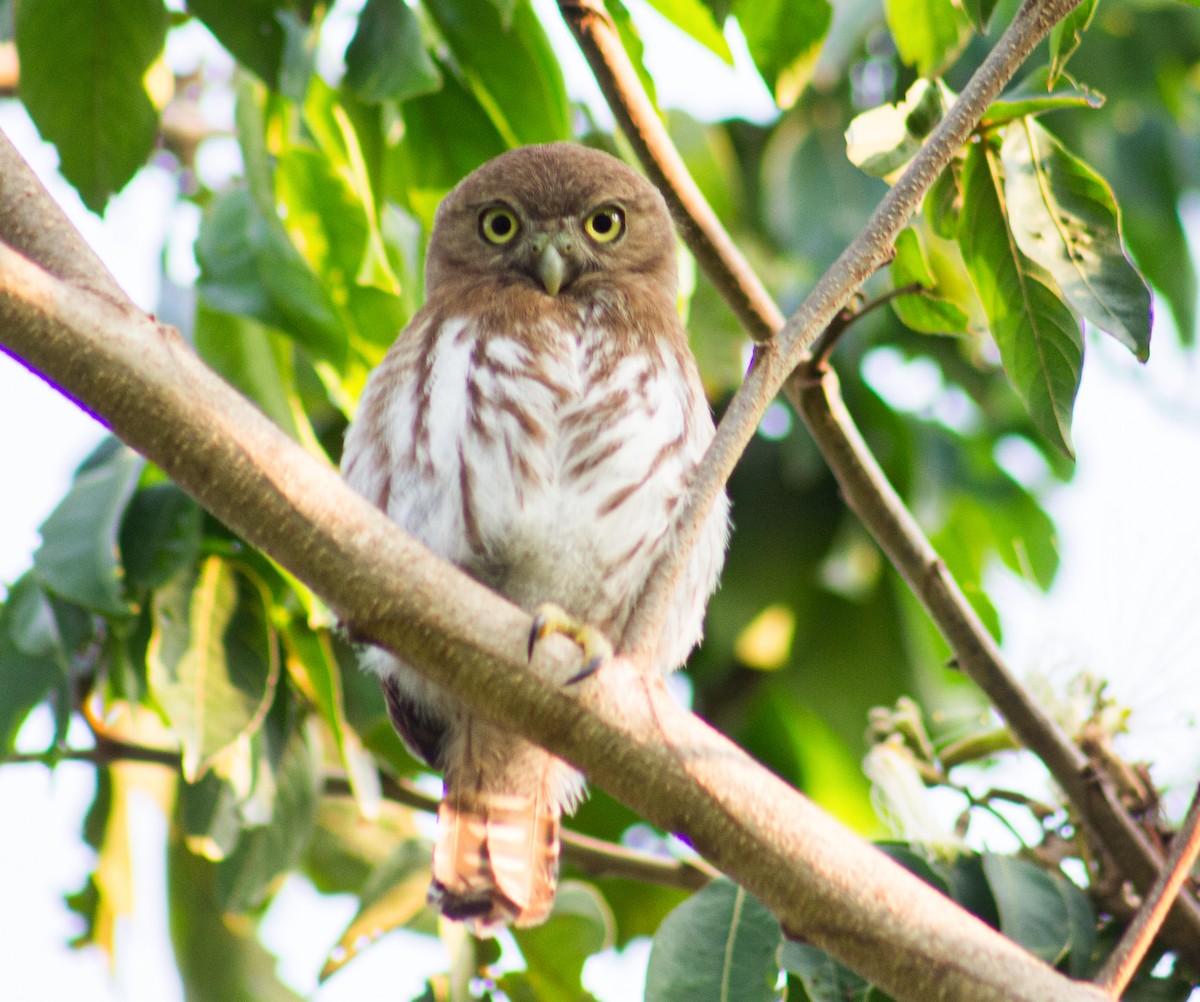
x=593 y=856
x=805 y=343
x=777 y=356
x=623 y=728
x=1121 y=966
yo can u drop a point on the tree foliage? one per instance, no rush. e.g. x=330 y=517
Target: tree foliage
x=149 y=617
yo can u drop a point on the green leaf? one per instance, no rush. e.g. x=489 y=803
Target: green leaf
x=79 y=558
x=824 y=978
x=430 y=160
x=220 y=957
x=720 y=943
x=1039 y=338
x=160 y=535
x=26 y=678
x=83 y=64
x=267 y=851
x=1032 y=910
x=1066 y=36
x=784 y=38
x=213 y=659
x=1034 y=96
x=882 y=140
x=251 y=31
x=1064 y=216
x=386 y=58
x=929 y=34
x=1081 y=924
x=928 y=312
x=313 y=665
x=980 y=12
x=580 y=925
x=512 y=71
x=696 y=19
x=943 y=201
x=394 y=894
x=249 y=268
x=212 y=822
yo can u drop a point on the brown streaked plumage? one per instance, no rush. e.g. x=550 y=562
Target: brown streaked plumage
x=536 y=424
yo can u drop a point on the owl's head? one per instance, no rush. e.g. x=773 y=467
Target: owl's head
x=562 y=220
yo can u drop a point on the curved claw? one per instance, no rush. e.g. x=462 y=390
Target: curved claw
x=596 y=649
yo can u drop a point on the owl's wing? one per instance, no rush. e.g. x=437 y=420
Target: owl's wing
x=386 y=461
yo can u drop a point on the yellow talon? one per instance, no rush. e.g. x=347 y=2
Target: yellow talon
x=550 y=618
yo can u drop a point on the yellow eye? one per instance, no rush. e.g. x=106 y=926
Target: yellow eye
x=605 y=225
x=498 y=225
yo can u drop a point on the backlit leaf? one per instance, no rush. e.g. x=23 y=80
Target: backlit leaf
x=250 y=30
x=1064 y=216
x=213 y=659
x=696 y=19
x=512 y=71
x=1039 y=338
x=720 y=943
x=83 y=64
x=580 y=925
x=929 y=34
x=784 y=38
x=927 y=311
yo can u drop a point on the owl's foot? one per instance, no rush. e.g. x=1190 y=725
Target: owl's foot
x=550 y=618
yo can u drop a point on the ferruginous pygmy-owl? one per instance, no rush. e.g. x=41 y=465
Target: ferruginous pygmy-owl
x=536 y=423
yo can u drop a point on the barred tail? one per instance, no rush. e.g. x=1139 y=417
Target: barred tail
x=495 y=861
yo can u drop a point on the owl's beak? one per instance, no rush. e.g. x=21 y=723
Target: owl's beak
x=551 y=269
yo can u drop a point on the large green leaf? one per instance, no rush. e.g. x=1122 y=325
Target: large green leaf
x=512 y=71
x=1039 y=338
x=1064 y=216
x=386 y=58
x=1032 y=909
x=929 y=34
x=83 y=64
x=79 y=558
x=721 y=943
x=213 y=659
x=784 y=38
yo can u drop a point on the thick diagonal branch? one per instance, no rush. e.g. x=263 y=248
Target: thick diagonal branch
x=623 y=729
x=817 y=398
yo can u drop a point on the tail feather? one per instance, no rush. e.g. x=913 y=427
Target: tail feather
x=495 y=861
